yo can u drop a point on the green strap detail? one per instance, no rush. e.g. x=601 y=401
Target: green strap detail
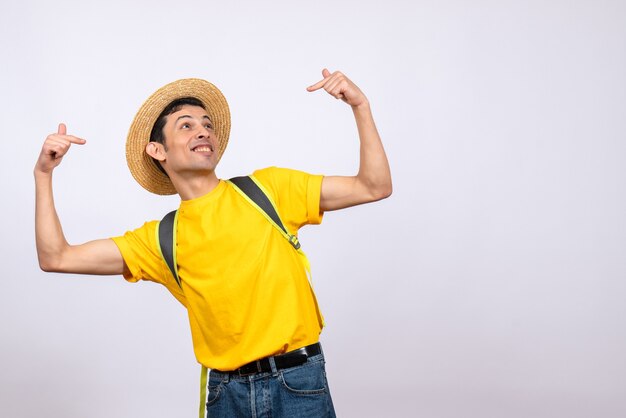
x=203 y=383
x=257 y=207
x=290 y=238
x=167 y=234
x=293 y=239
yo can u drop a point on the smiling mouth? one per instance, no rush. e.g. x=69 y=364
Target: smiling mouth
x=203 y=148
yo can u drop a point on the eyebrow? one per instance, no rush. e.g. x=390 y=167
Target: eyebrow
x=190 y=117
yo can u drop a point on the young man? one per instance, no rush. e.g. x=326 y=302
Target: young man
x=253 y=314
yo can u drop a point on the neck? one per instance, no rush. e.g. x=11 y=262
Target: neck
x=196 y=186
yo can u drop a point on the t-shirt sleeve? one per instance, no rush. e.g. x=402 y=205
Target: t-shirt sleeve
x=296 y=194
x=141 y=255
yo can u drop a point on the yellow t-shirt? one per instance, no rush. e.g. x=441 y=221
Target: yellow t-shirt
x=244 y=286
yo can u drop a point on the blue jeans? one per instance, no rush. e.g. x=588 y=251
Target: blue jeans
x=300 y=391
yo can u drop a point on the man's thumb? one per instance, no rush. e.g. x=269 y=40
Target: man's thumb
x=62 y=129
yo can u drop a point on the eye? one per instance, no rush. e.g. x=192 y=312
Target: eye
x=184 y=126
x=208 y=126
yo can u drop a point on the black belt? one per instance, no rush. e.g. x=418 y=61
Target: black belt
x=291 y=359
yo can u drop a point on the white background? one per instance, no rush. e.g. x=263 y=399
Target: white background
x=491 y=284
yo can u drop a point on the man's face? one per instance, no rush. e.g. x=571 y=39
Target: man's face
x=191 y=143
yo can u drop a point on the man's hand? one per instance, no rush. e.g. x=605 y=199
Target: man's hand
x=53 y=251
x=54 y=148
x=340 y=87
x=373 y=180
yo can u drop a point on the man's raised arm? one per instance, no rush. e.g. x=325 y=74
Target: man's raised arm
x=373 y=181
x=53 y=251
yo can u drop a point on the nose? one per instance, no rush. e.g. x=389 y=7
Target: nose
x=203 y=132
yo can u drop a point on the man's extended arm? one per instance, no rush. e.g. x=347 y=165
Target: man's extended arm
x=53 y=251
x=373 y=180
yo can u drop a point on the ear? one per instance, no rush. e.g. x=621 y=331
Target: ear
x=155 y=150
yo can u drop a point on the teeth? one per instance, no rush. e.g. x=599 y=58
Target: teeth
x=203 y=149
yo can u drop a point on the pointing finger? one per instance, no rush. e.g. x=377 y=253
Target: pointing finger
x=317 y=85
x=326 y=74
x=75 y=140
x=62 y=132
x=64 y=139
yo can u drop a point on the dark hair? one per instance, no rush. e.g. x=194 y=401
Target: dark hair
x=156 y=135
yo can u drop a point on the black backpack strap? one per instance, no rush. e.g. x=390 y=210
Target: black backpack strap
x=254 y=193
x=167 y=242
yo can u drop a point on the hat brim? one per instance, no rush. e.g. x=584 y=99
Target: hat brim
x=141 y=165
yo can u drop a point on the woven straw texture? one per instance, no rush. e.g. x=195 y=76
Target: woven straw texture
x=141 y=165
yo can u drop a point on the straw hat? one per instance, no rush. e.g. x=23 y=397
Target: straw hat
x=141 y=165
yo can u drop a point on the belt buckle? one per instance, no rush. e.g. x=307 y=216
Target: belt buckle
x=244 y=371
